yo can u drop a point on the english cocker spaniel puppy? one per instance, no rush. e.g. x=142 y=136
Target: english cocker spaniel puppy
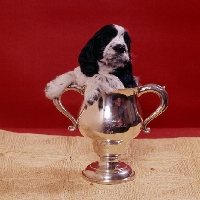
x=105 y=66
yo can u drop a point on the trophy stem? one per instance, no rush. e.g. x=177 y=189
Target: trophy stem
x=109 y=170
x=109 y=158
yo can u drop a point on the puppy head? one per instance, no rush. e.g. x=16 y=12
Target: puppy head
x=109 y=49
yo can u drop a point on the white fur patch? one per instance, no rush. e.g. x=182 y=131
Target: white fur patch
x=110 y=56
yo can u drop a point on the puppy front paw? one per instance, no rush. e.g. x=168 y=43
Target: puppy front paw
x=111 y=84
x=98 y=84
x=53 y=90
x=91 y=95
x=57 y=86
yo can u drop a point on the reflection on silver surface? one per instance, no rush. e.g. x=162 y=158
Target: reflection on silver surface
x=111 y=122
x=120 y=113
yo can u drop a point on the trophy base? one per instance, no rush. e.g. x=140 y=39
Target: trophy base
x=108 y=173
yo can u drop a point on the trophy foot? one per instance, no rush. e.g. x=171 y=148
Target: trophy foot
x=108 y=173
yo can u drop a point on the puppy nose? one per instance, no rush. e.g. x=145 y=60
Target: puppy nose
x=120 y=48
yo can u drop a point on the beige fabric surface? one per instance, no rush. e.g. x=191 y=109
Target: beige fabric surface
x=49 y=168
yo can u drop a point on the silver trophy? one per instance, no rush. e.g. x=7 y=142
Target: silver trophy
x=111 y=122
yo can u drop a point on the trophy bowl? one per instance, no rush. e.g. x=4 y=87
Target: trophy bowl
x=111 y=122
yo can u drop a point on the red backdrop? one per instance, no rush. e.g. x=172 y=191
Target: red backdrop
x=42 y=39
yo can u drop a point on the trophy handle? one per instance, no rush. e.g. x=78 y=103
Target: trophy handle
x=57 y=102
x=161 y=92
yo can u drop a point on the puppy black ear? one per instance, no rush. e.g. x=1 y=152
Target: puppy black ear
x=127 y=40
x=87 y=59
